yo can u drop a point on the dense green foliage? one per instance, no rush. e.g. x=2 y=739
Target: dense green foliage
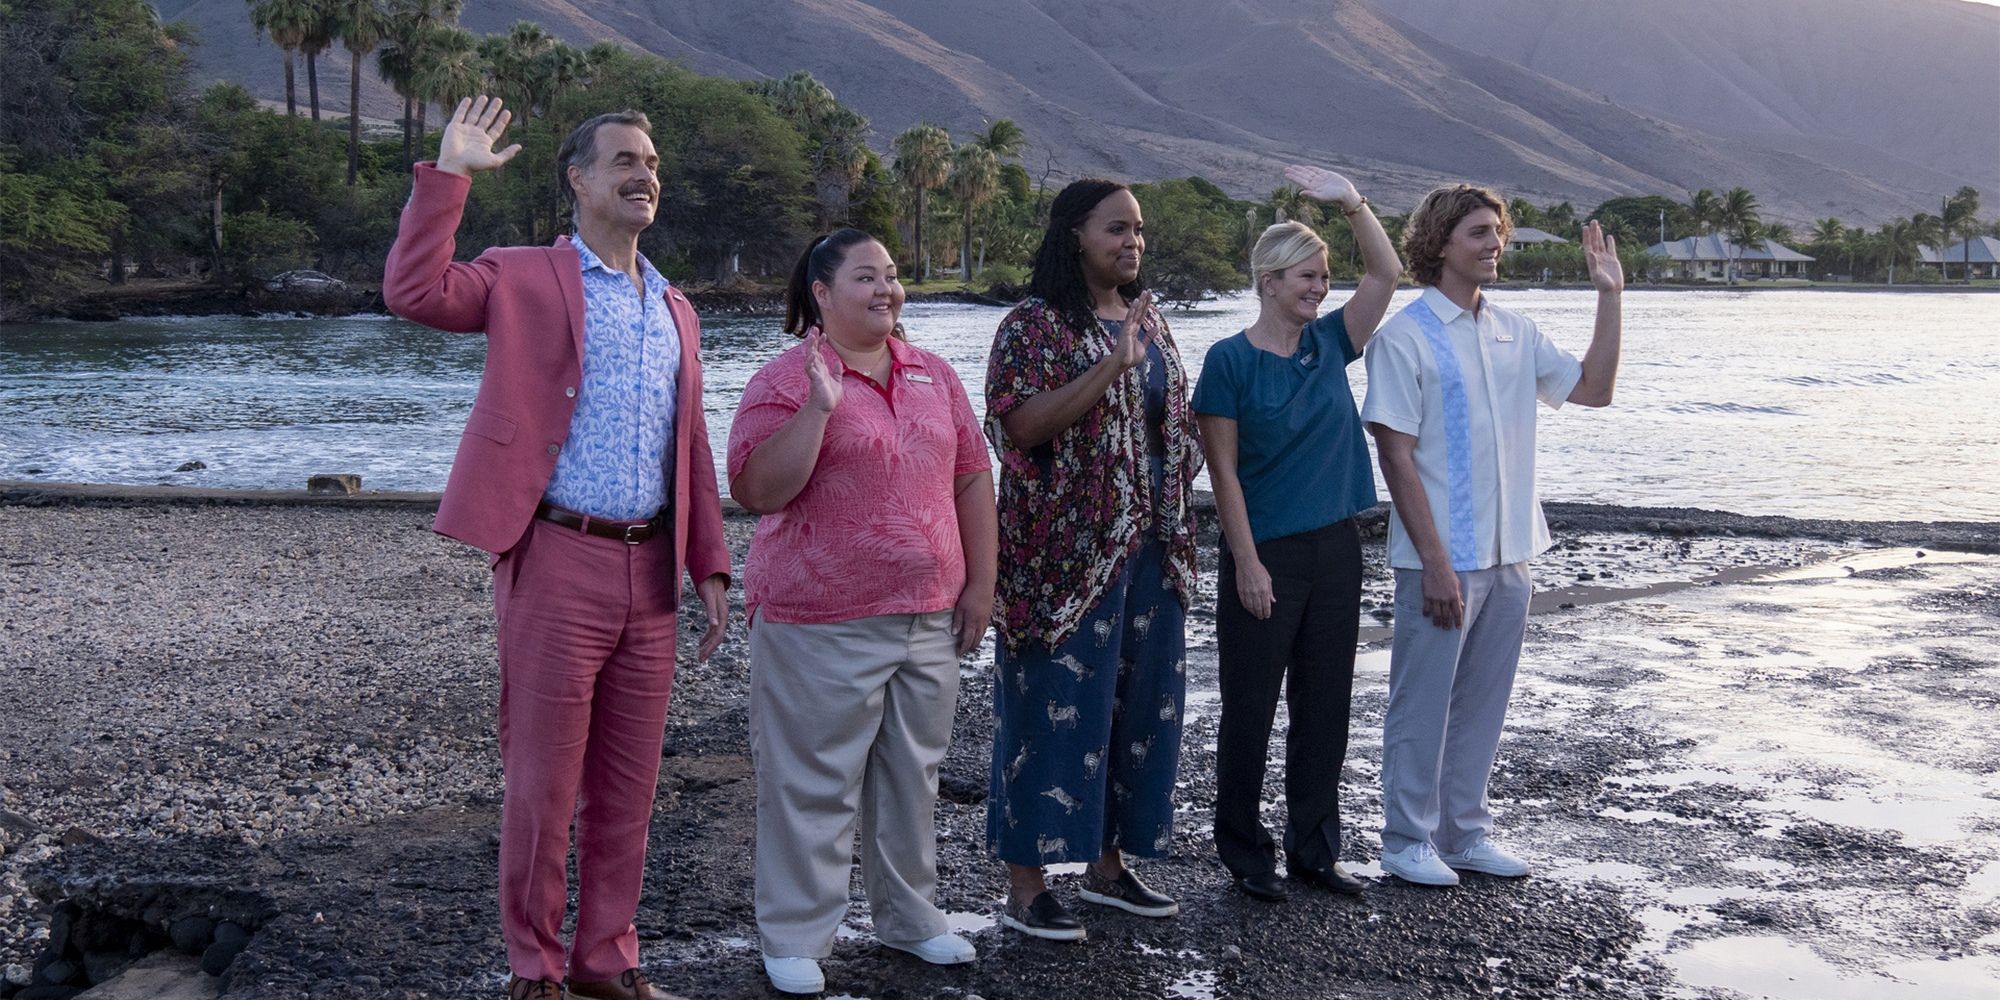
x=112 y=165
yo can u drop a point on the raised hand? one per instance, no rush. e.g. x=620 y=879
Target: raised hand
x=1321 y=184
x=825 y=385
x=1130 y=347
x=1600 y=257
x=467 y=144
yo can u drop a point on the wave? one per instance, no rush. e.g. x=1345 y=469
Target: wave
x=1699 y=407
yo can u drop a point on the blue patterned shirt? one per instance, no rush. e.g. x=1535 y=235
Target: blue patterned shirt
x=613 y=464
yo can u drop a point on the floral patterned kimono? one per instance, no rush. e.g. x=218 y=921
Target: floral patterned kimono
x=1097 y=567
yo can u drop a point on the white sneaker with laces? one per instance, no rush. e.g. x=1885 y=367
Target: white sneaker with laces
x=944 y=949
x=794 y=975
x=1418 y=863
x=1485 y=856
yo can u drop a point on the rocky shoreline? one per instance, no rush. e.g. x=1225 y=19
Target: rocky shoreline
x=263 y=725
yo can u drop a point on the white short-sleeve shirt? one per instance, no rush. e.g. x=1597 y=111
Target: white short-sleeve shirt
x=1465 y=386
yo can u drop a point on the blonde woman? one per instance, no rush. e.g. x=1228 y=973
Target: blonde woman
x=1290 y=469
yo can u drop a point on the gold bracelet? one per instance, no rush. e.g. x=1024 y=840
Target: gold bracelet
x=1358 y=206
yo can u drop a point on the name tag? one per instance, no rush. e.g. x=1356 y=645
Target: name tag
x=914 y=377
x=1504 y=338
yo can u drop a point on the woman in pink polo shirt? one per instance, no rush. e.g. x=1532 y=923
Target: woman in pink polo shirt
x=870 y=574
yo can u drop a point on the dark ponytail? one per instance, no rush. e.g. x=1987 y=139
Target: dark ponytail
x=818 y=263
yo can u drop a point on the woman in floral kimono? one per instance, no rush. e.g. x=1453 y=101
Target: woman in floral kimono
x=1087 y=407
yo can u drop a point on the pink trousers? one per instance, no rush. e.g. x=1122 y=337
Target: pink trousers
x=586 y=637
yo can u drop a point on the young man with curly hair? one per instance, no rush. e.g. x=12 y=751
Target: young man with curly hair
x=1452 y=384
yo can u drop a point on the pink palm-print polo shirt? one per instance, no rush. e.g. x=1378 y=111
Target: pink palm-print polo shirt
x=875 y=531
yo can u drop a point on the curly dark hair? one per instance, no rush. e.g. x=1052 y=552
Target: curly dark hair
x=1057 y=276
x=1436 y=216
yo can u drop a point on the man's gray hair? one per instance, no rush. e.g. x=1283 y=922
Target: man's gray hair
x=580 y=148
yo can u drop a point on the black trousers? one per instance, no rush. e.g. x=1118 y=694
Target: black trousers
x=1310 y=636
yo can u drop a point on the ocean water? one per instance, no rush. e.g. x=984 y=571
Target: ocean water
x=1845 y=404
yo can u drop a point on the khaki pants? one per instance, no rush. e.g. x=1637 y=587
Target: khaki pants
x=848 y=719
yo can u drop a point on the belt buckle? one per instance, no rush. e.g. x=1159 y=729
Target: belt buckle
x=630 y=528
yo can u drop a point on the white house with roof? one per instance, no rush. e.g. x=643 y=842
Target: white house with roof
x=1706 y=258
x=1526 y=236
x=1982 y=251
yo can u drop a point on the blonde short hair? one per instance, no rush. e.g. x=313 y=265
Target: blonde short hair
x=1284 y=245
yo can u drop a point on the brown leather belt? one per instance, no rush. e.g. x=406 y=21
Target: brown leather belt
x=629 y=532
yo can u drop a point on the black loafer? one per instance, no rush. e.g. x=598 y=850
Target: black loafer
x=1331 y=878
x=1266 y=886
x=1127 y=893
x=1043 y=917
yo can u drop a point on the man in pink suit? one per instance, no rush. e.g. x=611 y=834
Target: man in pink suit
x=585 y=470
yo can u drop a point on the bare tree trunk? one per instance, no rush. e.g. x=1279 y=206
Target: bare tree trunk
x=923 y=260
x=312 y=83
x=291 y=86
x=118 y=256
x=215 y=226
x=409 y=122
x=354 y=122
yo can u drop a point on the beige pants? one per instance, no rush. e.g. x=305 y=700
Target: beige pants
x=845 y=719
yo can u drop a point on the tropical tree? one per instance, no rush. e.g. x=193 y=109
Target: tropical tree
x=321 y=28
x=923 y=162
x=286 y=22
x=408 y=28
x=836 y=141
x=1961 y=219
x=1897 y=241
x=1704 y=211
x=1826 y=241
x=1005 y=140
x=448 y=67
x=1561 y=219
x=1646 y=218
x=359 y=24
x=1289 y=204
x=1524 y=213
x=1735 y=216
x=975 y=178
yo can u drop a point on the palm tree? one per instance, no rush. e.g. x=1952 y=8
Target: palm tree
x=320 y=29
x=837 y=136
x=447 y=68
x=1736 y=215
x=1524 y=213
x=1826 y=241
x=1289 y=204
x=1561 y=218
x=359 y=25
x=1705 y=211
x=1005 y=140
x=975 y=176
x=286 y=22
x=408 y=28
x=1898 y=241
x=1961 y=219
x=923 y=161
x=1855 y=243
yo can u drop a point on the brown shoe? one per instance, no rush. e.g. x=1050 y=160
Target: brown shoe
x=630 y=985
x=534 y=989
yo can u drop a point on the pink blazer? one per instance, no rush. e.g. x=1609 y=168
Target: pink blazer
x=529 y=303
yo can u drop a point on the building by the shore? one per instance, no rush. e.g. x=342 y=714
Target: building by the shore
x=1982 y=251
x=1527 y=236
x=1707 y=258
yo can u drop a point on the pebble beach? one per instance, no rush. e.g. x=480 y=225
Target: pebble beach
x=277 y=716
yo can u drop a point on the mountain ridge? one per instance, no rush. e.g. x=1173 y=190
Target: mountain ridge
x=1402 y=96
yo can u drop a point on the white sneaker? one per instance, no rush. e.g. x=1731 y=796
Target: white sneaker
x=794 y=975
x=944 y=949
x=1484 y=856
x=1418 y=863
